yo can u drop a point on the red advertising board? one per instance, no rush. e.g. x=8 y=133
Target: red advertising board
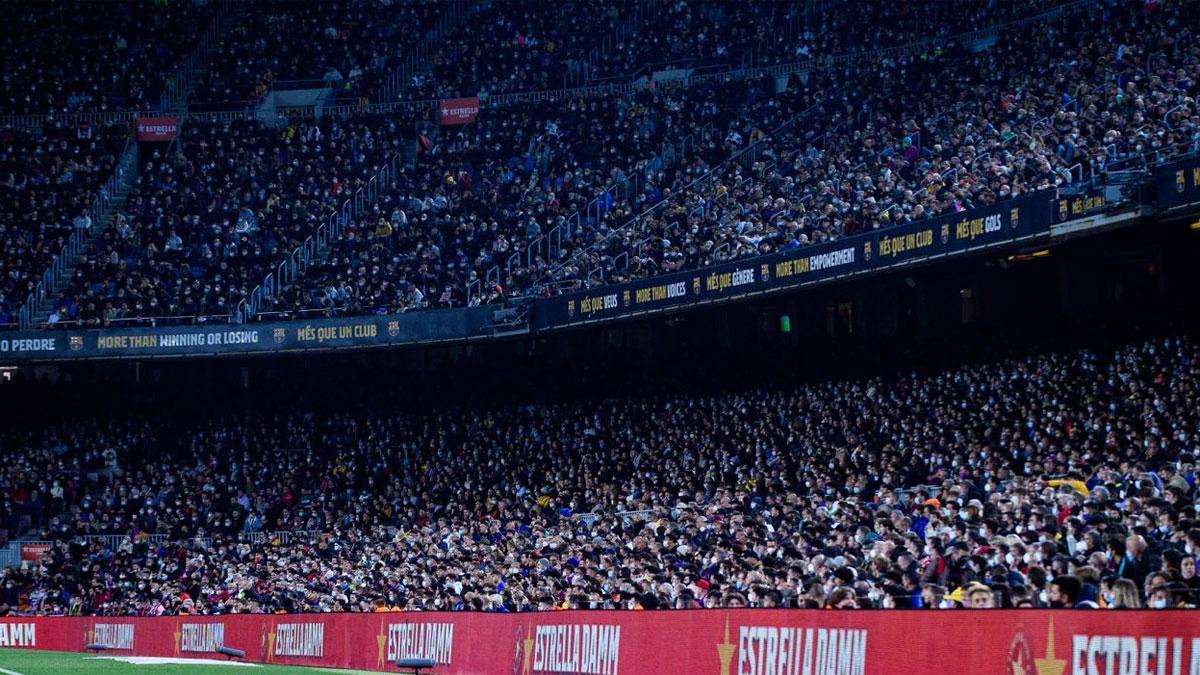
x=157 y=128
x=33 y=551
x=723 y=642
x=458 y=110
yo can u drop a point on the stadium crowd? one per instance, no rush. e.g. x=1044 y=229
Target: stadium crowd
x=203 y=224
x=48 y=179
x=945 y=130
x=350 y=45
x=80 y=56
x=487 y=187
x=841 y=150
x=940 y=131
x=1057 y=480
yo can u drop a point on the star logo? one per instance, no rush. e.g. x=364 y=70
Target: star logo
x=382 y=640
x=725 y=650
x=271 y=646
x=527 y=644
x=1050 y=665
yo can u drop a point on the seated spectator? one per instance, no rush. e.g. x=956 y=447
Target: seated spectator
x=647 y=503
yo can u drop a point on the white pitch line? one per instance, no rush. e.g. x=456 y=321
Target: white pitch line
x=9 y=672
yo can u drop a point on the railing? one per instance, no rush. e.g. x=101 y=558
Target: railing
x=454 y=11
x=78 y=240
x=10 y=555
x=751 y=151
x=310 y=250
x=1167 y=115
x=284 y=537
x=589 y=518
x=628 y=27
x=181 y=81
x=549 y=245
x=143 y=321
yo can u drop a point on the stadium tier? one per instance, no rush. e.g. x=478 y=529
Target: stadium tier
x=596 y=337
x=1055 y=480
x=542 y=190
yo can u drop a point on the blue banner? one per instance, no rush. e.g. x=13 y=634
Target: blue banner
x=290 y=336
x=1178 y=183
x=995 y=226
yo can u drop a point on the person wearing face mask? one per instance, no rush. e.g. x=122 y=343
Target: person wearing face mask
x=1160 y=598
x=1124 y=595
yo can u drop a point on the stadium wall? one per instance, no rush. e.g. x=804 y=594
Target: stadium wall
x=727 y=642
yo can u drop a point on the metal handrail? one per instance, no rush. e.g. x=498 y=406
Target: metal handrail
x=454 y=12
x=78 y=240
x=706 y=177
x=182 y=80
x=300 y=258
x=153 y=321
x=593 y=210
x=1167 y=115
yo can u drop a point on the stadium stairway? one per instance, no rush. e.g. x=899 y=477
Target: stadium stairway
x=42 y=308
x=118 y=188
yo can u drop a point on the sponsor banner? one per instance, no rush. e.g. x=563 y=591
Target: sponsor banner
x=458 y=110
x=33 y=551
x=157 y=128
x=986 y=227
x=1178 y=183
x=185 y=341
x=1088 y=202
x=722 y=642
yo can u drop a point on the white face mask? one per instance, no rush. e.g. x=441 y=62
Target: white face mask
x=1160 y=603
